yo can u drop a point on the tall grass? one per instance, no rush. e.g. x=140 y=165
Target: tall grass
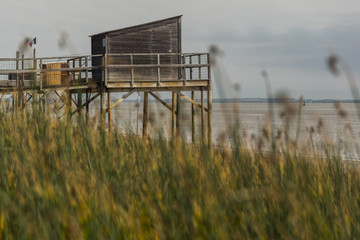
x=70 y=181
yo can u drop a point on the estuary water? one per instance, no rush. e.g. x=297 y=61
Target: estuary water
x=315 y=118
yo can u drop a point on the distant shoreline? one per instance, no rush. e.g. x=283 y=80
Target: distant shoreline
x=262 y=100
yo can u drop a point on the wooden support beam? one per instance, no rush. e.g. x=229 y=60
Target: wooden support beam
x=178 y=114
x=193 y=117
x=209 y=102
x=145 y=113
x=209 y=96
x=121 y=99
x=109 y=109
x=202 y=116
x=189 y=99
x=161 y=101
x=173 y=114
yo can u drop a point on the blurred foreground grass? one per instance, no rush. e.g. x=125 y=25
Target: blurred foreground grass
x=64 y=181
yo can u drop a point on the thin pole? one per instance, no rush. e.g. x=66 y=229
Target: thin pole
x=145 y=115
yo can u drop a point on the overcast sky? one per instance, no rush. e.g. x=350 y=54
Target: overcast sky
x=287 y=38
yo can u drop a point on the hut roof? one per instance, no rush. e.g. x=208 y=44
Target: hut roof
x=136 y=26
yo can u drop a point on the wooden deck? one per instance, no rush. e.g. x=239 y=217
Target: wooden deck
x=176 y=73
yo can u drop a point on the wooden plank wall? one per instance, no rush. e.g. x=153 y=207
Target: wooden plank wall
x=157 y=37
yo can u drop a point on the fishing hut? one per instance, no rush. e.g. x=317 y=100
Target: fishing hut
x=145 y=58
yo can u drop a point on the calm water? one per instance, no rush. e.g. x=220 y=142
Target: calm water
x=128 y=117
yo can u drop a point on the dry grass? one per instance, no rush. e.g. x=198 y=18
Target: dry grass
x=63 y=181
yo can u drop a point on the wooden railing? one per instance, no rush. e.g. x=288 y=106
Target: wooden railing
x=108 y=68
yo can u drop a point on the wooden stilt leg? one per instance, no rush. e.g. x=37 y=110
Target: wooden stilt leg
x=193 y=117
x=145 y=114
x=209 y=100
x=109 y=110
x=202 y=116
x=178 y=115
x=173 y=112
x=102 y=107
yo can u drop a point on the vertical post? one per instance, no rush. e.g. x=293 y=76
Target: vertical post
x=44 y=102
x=80 y=71
x=183 y=69
x=193 y=117
x=202 y=116
x=34 y=59
x=158 y=70
x=86 y=71
x=17 y=68
x=178 y=115
x=173 y=112
x=79 y=95
x=41 y=79
x=17 y=81
x=191 y=69
x=68 y=103
x=34 y=67
x=199 y=62
x=145 y=114
x=103 y=71
x=209 y=100
x=21 y=103
x=106 y=74
x=74 y=73
x=109 y=109
x=132 y=69
x=209 y=96
x=102 y=108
